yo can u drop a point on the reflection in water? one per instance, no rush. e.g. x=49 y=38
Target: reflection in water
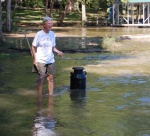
x=78 y=95
x=44 y=123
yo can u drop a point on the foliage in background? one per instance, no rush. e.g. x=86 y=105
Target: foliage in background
x=124 y=1
x=61 y=12
x=93 y=4
x=34 y=3
x=0 y=23
x=109 y=2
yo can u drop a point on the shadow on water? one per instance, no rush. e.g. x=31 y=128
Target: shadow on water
x=65 y=44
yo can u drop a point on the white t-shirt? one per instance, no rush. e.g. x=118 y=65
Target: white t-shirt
x=44 y=42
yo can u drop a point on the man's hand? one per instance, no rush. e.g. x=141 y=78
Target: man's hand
x=60 y=54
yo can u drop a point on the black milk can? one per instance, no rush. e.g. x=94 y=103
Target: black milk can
x=78 y=78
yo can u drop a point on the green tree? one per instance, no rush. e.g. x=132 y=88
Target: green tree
x=63 y=11
x=46 y=7
x=51 y=8
x=33 y=3
x=0 y=22
x=94 y=4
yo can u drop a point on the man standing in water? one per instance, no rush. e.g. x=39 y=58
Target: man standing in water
x=43 y=48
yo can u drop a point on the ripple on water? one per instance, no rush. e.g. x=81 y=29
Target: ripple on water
x=120 y=107
x=128 y=95
x=144 y=99
x=123 y=80
x=101 y=101
x=61 y=91
x=105 y=57
x=138 y=81
x=96 y=89
x=112 y=80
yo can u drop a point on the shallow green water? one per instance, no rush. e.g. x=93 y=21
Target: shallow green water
x=116 y=101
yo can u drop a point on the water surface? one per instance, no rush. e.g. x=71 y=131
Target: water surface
x=116 y=101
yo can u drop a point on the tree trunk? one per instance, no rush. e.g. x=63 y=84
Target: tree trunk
x=46 y=7
x=83 y=14
x=51 y=8
x=0 y=22
x=63 y=13
x=72 y=4
x=8 y=21
x=77 y=7
x=16 y=4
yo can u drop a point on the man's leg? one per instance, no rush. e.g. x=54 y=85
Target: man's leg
x=50 y=84
x=50 y=72
x=41 y=70
x=40 y=85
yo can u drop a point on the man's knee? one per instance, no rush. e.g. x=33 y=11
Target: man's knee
x=50 y=78
x=40 y=79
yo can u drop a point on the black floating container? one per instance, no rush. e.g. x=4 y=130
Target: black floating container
x=78 y=78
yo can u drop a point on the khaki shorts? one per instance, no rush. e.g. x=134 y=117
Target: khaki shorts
x=44 y=69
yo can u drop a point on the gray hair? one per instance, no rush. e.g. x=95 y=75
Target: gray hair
x=46 y=19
